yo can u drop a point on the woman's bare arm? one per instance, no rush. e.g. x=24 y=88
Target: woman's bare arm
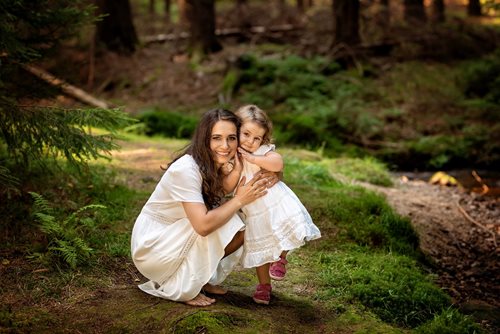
x=206 y=221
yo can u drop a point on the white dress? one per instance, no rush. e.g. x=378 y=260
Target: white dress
x=166 y=249
x=275 y=222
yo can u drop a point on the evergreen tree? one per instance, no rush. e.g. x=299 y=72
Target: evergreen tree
x=29 y=31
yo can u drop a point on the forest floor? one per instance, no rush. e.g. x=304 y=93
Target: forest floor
x=459 y=230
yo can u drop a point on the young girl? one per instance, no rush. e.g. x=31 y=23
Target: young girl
x=275 y=223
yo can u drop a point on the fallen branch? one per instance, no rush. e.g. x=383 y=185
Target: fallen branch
x=220 y=32
x=469 y=218
x=68 y=89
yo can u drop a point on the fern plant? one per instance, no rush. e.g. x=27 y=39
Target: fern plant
x=65 y=235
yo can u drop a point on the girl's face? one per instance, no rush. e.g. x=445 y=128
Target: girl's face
x=251 y=136
x=223 y=142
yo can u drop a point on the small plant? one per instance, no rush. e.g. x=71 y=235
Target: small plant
x=450 y=321
x=65 y=236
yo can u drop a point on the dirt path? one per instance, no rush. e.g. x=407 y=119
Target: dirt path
x=460 y=232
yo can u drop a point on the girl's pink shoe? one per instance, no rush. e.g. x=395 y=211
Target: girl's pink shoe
x=262 y=294
x=277 y=270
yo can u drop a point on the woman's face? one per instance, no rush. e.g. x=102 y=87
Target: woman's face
x=223 y=142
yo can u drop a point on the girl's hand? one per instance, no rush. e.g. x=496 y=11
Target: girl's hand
x=246 y=155
x=247 y=193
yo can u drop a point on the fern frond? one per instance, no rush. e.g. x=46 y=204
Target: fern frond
x=75 y=214
x=8 y=182
x=66 y=251
x=41 y=205
x=49 y=225
x=82 y=247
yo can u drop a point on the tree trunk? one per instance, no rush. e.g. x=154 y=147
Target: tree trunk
x=166 y=10
x=152 y=7
x=183 y=20
x=346 y=22
x=385 y=13
x=474 y=8
x=300 y=6
x=438 y=11
x=414 y=11
x=116 y=30
x=201 y=17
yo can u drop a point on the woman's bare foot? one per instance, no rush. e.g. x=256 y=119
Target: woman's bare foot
x=200 y=300
x=214 y=289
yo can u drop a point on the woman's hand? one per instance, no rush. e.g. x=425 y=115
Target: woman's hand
x=271 y=177
x=247 y=193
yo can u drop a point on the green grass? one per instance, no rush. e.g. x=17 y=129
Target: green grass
x=364 y=271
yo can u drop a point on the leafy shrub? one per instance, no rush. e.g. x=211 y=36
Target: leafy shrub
x=392 y=286
x=481 y=78
x=169 y=124
x=65 y=236
x=310 y=101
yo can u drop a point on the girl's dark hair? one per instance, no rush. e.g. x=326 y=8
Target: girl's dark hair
x=199 y=149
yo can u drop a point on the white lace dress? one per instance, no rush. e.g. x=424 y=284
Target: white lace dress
x=166 y=249
x=275 y=222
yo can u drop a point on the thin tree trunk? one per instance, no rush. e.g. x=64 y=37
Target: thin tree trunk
x=167 y=10
x=438 y=9
x=385 y=13
x=201 y=17
x=151 y=7
x=474 y=8
x=116 y=30
x=414 y=11
x=301 y=6
x=346 y=21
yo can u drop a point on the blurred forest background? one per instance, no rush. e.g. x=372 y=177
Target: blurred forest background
x=358 y=87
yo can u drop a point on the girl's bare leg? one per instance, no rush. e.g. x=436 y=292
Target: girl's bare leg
x=235 y=244
x=283 y=254
x=263 y=274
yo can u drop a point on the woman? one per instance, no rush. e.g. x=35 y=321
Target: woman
x=185 y=239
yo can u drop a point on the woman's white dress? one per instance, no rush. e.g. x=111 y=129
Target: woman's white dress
x=166 y=249
x=275 y=222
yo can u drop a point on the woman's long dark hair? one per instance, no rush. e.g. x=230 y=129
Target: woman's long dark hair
x=199 y=149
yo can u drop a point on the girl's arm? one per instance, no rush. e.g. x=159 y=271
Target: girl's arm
x=206 y=221
x=231 y=177
x=271 y=161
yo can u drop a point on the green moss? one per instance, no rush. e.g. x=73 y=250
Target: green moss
x=392 y=286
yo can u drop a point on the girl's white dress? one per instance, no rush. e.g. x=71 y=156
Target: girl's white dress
x=275 y=222
x=166 y=249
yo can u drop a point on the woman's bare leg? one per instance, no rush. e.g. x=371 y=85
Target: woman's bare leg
x=214 y=289
x=200 y=300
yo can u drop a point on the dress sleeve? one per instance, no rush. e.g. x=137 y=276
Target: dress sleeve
x=184 y=181
x=263 y=149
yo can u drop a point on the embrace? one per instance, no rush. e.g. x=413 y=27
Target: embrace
x=190 y=233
